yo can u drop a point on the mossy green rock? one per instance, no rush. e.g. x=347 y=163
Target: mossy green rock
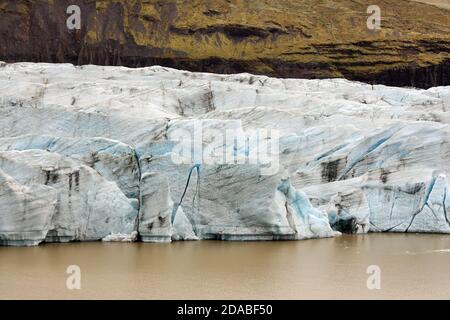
x=283 y=38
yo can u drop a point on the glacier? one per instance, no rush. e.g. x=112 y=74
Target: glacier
x=93 y=153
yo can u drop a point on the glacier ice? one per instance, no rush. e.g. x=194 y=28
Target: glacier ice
x=84 y=206
x=87 y=153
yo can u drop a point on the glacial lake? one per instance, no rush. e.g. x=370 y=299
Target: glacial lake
x=411 y=266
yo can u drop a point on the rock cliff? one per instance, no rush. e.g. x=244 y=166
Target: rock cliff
x=284 y=38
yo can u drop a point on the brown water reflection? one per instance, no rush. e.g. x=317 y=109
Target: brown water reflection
x=413 y=266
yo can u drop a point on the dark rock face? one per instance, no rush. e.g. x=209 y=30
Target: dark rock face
x=347 y=225
x=413 y=76
x=288 y=38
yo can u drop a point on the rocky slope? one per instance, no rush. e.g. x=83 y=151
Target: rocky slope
x=439 y=3
x=284 y=38
x=91 y=153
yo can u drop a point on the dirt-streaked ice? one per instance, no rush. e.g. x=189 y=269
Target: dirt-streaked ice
x=87 y=153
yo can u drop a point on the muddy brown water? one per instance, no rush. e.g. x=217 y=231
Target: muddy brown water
x=411 y=266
